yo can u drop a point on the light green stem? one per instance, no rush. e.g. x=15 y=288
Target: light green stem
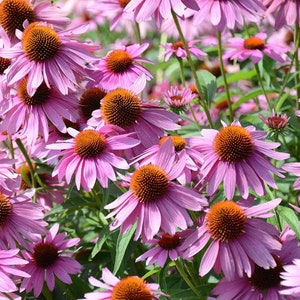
x=220 y=51
x=187 y=280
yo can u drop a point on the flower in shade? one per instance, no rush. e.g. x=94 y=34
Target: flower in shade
x=130 y=287
x=154 y=200
x=263 y=283
x=164 y=246
x=125 y=109
x=13 y=13
x=21 y=220
x=224 y=14
x=44 y=54
x=91 y=154
x=177 y=49
x=184 y=149
x=238 y=156
x=287 y=12
x=50 y=258
x=290 y=279
x=235 y=238
x=254 y=47
x=121 y=67
x=177 y=99
x=30 y=115
x=9 y=260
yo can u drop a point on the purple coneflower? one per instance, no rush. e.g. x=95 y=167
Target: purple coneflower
x=237 y=156
x=236 y=239
x=21 y=220
x=30 y=115
x=130 y=287
x=164 y=246
x=13 y=14
x=226 y=13
x=177 y=49
x=44 y=54
x=153 y=196
x=263 y=283
x=276 y=123
x=293 y=168
x=124 y=108
x=91 y=154
x=120 y=68
x=49 y=258
x=254 y=47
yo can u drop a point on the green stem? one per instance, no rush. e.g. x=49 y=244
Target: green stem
x=187 y=280
x=193 y=69
x=28 y=160
x=180 y=61
x=262 y=86
x=138 y=32
x=220 y=50
x=46 y=292
x=297 y=77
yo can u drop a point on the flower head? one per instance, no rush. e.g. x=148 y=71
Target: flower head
x=236 y=239
x=254 y=47
x=165 y=246
x=177 y=49
x=130 y=287
x=44 y=54
x=21 y=220
x=237 y=155
x=48 y=258
x=91 y=155
x=122 y=67
x=276 y=122
x=153 y=195
x=263 y=283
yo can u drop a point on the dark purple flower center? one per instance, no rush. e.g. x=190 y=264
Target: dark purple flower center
x=169 y=241
x=45 y=255
x=90 y=101
x=5 y=209
x=4 y=64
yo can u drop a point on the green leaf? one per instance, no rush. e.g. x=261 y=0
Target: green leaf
x=242 y=75
x=121 y=247
x=252 y=95
x=101 y=240
x=288 y=215
x=208 y=84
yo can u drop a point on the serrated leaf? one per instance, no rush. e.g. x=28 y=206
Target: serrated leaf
x=101 y=240
x=288 y=215
x=208 y=84
x=121 y=247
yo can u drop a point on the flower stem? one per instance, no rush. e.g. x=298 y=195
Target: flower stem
x=180 y=61
x=187 y=280
x=262 y=86
x=297 y=77
x=193 y=69
x=138 y=32
x=231 y=114
x=46 y=292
